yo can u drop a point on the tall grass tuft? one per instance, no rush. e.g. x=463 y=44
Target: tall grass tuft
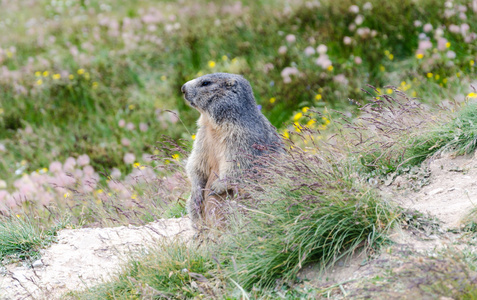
x=309 y=208
x=21 y=238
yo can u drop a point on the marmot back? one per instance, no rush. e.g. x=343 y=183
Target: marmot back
x=232 y=131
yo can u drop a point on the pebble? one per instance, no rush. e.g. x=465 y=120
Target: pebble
x=37 y=264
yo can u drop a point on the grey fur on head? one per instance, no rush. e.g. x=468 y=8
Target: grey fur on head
x=232 y=131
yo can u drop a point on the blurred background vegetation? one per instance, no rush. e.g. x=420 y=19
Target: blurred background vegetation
x=101 y=80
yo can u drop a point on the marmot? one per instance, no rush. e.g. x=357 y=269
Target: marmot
x=232 y=131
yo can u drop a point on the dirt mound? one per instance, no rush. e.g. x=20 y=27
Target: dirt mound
x=84 y=257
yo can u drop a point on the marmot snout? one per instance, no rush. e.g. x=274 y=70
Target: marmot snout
x=232 y=131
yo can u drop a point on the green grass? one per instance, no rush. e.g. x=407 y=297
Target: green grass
x=22 y=238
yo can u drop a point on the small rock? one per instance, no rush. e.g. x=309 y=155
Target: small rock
x=436 y=191
x=37 y=264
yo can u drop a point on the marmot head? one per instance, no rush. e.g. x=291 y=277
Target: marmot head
x=221 y=96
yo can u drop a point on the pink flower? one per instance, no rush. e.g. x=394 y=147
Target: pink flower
x=282 y=50
x=454 y=28
x=417 y=23
x=450 y=54
x=130 y=126
x=321 y=49
x=83 y=160
x=115 y=173
x=88 y=171
x=55 y=167
x=290 y=38
x=125 y=142
x=354 y=9
x=427 y=27
x=359 y=20
x=368 y=6
x=323 y=61
x=347 y=40
x=129 y=158
x=309 y=51
x=441 y=44
x=2 y=148
x=143 y=127
x=424 y=45
x=358 y=60
x=121 y=123
x=69 y=165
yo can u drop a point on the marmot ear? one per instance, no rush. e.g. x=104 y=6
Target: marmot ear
x=230 y=82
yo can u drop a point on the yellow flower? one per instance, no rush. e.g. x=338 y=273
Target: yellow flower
x=44 y=170
x=211 y=64
x=286 y=135
x=133 y=196
x=45 y=74
x=193 y=137
x=311 y=123
x=472 y=95
x=413 y=94
x=37 y=73
x=386 y=52
x=99 y=191
x=66 y=195
x=95 y=85
x=437 y=76
x=457 y=74
x=382 y=68
x=39 y=82
x=419 y=56
x=305 y=109
x=448 y=44
x=224 y=57
x=156 y=152
x=298 y=127
x=1 y=111
x=444 y=80
x=234 y=60
x=297 y=116
x=272 y=100
x=471 y=63
x=56 y=76
x=330 y=68
x=175 y=156
x=389 y=91
x=326 y=120
x=9 y=54
x=391 y=57
x=131 y=106
x=136 y=165
x=429 y=75
x=163 y=77
x=86 y=76
x=80 y=71
x=71 y=76
x=318 y=97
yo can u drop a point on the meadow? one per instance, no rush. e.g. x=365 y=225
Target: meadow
x=94 y=130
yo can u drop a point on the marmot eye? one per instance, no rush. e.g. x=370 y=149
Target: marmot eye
x=205 y=83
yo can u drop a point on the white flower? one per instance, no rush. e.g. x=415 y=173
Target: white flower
x=354 y=9
x=321 y=49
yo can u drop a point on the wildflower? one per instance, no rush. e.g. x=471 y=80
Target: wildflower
x=286 y=135
x=39 y=82
x=3 y=184
x=436 y=77
x=86 y=76
x=391 y=57
x=45 y=74
x=175 y=156
x=323 y=61
x=354 y=9
x=389 y=91
x=143 y=127
x=321 y=49
x=71 y=76
x=67 y=195
x=472 y=95
x=211 y=64
x=133 y=196
x=367 y=6
x=359 y=20
x=326 y=120
x=272 y=100
x=309 y=51
x=358 y=60
x=457 y=74
x=318 y=97
x=419 y=56
x=56 y=76
x=80 y=71
x=37 y=74
x=297 y=116
x=121 y=123
x=129 y=158
x=311 y=123
x=298 y=127
x=136 y=165
x=305 y=109
x=450 y=54
x=382 y=68
x=125 y=142
x=100 y=191
x=471 y=63
x=130 y=126
x=290 y=38
x=94 y=85
x=429 y=75
x=163 y=77
x=347 y=40
x=224 y=57
x=83 y=160
x=448 y=45
x=193 y=137
x=444 y=80
x=1 y=111
x=282 y=50
x=330 y=68
x=131 y=106
x=427 y=27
